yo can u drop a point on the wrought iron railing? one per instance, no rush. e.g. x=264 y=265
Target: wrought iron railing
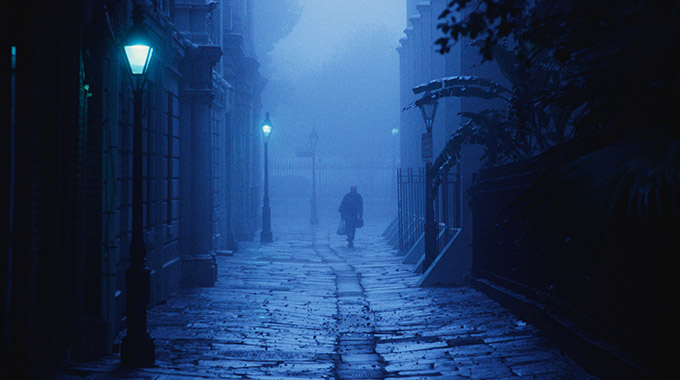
x=411 y=199
x=447 y=208
x=411 y=206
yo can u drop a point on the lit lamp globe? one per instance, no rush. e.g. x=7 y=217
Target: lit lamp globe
x=138 y=56
x=138 y=49
x=266 y=128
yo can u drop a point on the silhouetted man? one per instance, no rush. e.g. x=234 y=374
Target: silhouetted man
x=352 y=210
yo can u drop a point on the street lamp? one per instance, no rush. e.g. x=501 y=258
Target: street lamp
x=266 y=235
x=395 y=134
x=137 y=349
x=428 y=107
x=313 y=140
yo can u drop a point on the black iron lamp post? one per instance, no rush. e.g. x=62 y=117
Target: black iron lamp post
x=395 y=134
x=266 y=235
x=313 y=140
x=428 y=107
x=137 y=348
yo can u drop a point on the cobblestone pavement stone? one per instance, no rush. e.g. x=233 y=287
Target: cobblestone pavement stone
x=307 y=307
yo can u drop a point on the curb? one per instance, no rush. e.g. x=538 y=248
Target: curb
x=594 y=356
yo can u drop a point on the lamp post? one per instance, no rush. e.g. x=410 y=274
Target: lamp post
x=428 y=107
x=266 y=235
x=313 y=140
x=395 y=133
x=137 y=348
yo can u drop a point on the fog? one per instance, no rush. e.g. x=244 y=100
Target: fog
x=338 y=71
x=332 y=66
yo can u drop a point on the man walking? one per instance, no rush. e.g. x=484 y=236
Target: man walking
x=352 y=211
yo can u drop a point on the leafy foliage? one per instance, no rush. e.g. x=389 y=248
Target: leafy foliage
x=495 y=139
x=489 y=20
x=587 y=78
x=529 y=125
x=610 y=55
x=594 y=105
x=460 y=86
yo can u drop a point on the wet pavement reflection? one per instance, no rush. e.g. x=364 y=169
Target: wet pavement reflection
x=308 y=307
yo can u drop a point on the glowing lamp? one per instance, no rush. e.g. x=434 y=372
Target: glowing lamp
x=138 y=49
x=138 y=58
x=266 y=127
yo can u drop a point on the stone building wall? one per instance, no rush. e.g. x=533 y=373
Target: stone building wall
x=420 y=62
x=71 y=152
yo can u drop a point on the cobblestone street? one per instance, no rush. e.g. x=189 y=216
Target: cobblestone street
x=307 y=307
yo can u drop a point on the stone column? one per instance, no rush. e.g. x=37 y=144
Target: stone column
x=198 y=258
x=241 y=216
x=419 y=75
x=413 y=119
x=230 y=239
x=427 y=41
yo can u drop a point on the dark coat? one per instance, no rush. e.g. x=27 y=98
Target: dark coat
x=352 y=208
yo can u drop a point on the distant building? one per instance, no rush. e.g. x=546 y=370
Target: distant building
x=70 y=150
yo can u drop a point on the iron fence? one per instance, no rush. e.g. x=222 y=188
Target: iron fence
x=411 y=206
x=411 y=197
x=447 y=208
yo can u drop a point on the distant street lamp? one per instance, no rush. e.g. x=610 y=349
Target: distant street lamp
x=313 y=140
x=137 y=348
x=395 y=134
x=266 y=235
x=428 y=107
